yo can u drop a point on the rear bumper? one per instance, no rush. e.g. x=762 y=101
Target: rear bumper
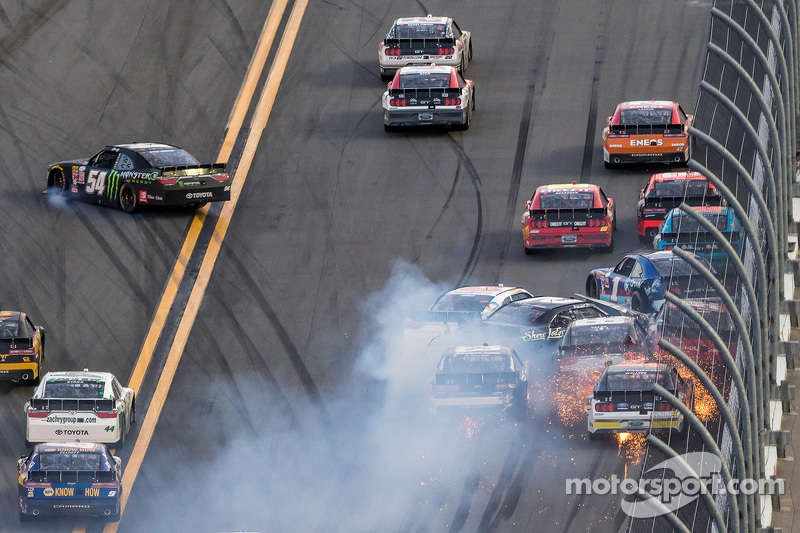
x=643 y=157
x=187 y=196
x=648 y=226
x=390 y=64
x=438 y=117
x=18 y=371
x=69 y=506
x=40 y=431
x=585 y=238
x=633 y=423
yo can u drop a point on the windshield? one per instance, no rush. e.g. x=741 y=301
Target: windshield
x=517 y=314
x=69 y=461
x=168 y=157
x=646 y=116
x=680 y=188
x=566 y=200
x=637 y=380
x=74 y=388
x=476 y=362
x=426 y=80
x=474 y=303
x=419 y=30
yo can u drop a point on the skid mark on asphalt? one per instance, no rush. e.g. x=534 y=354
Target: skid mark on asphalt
x=477 y=243
x=445 y=207
x=591 y=124
x=464 y=504
x=27 y=26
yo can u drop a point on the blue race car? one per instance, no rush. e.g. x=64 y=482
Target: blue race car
x=679 y=229
x=70 y=478
x=640 y=280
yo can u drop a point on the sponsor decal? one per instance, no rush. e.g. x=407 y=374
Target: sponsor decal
x=91 y=492
x=71 y=506
x=143 y=197
x=48 y=492
x=189 y=183
x=534 y=336
x=134 y=175
x=75 y=174
x=645 y=142
x=198 y=195
x=155 y=197
x=67 y=432
x=65 y=491
x=112 y=493
x=3 y=356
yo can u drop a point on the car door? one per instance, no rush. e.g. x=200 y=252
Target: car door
x=95 y=182
x=619 y=276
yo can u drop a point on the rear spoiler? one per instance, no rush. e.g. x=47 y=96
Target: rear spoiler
x=590 y=212
x=645 y=129
x=711 y=199
x=419 y=43
x=431 y=92
x=16 y=342
x=474 y=378
x=213 y=167
x=71 y=404
x=72 y=476
x=698 y=237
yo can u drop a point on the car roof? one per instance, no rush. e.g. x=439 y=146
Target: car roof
x=424 y=69
x=144 y=147
x=10 y=314
x=589 y=187
x=422 y=20
x=486 y=290
x=489 y=349
x=674 y=176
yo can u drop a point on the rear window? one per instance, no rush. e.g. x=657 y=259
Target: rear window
x=168 y=157
x=685 y=224
x=680 y=188
x=74 y=388
x=645 y=117
x=9 y=327
x=423 y=30
x=462 y=302
x=69 y=461
x=637 y=380
x=600 y=333
x=476 y=362
x=566 y=200
x=517 y=314
x=427 y=80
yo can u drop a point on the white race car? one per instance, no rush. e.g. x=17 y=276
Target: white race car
x=80 y=406
x=623 y=400
x=422 y=41
x=428 y=96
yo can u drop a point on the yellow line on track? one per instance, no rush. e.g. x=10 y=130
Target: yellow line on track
x=260 y=118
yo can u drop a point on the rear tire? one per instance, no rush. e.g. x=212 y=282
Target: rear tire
x=57 y=181
x=385 y=76
x=609 y=164
x=388 y=128
x=640 y=303
x=128 y=201
x=591 y=287
x=529 y=251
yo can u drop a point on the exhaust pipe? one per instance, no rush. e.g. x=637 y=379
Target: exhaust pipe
x=35 y=512
x=678 y=159
x=107 y=512
x=25 y=376
x=616 y=160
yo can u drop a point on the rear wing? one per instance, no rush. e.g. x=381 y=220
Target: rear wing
x=72 y=476
x=420 y=43
x=569 y=213
x=193 y=170
x=14 y=343
x=428 y=96
x=694 y=201
x=475 y=379
x=700 y=237
x=71 y=404
x=646 y=129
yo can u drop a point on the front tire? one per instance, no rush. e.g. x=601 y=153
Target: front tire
x=128 y=200
x=57 y=181
x=640 y=303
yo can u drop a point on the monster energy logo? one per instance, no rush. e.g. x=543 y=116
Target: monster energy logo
x=113 y=185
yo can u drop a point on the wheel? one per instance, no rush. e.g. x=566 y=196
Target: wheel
x=133 y=411
x=640 y=303
x=127 y=198
x=609 y=164
x=24 y=517
x=529 y=251
x=473 y=99
x=197 y=205
x=57 y=181
x=467 y=120
x=591 y=288
x=388 y=128
x=385 y=76
x=595 y=436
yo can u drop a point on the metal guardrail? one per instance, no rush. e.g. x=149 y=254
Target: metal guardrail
x=745 y=143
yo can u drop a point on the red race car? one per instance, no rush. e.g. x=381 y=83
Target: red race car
x=667 y=190
x=572 y=215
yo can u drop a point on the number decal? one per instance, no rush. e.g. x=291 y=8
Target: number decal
x=614 y=289
x=96 y=182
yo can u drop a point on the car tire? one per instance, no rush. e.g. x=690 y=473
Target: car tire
x=197 y=205
x=128 y=200
x=385 y=76
x=640 y=303
x=389 y=129
x=592 y=290
x=133 y=411
x=529 y=251
x=57 y=181
x=467 y=120
x=595 y=436
x=609 y=164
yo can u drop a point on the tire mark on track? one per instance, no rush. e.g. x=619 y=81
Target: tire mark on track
x=27 y=26
x=444 y=209
x=591 y=124
x=477 y=243
x=462 y=511
x=306 y=380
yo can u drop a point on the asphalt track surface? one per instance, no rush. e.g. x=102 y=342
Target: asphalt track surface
x=297 y=404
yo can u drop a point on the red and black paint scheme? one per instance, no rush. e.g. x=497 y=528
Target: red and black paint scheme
x=21 y=348
x=667 y=190
x=130 y=176
x=80 y=478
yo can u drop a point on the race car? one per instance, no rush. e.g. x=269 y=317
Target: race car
x=623 y=400
x=672 y=324
x=21 y=348
x=130 y=176
x=679 y=229
x=480 y=378
x=640 y=279
x=424 y=41
x=428 y=96
x=648 y=131
x=589 y=344
x=666 y=191
x=535 y=324
x=574 y=215
x=80 y=406
x=70 y=478
x=466 y=303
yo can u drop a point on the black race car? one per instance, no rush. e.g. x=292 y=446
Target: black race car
x=131 y=175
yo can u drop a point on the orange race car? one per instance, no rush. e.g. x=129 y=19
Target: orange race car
x=653 y=131
x=572 y=215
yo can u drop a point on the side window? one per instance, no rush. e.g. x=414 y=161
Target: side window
x=682 y=115
x=124 y=163
x=625 y=266
x=29 y=324
x=456 y=30
x=117 y=388
x=637 y=271
x=106 y=159
x=519 y=296
x=603 y=198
